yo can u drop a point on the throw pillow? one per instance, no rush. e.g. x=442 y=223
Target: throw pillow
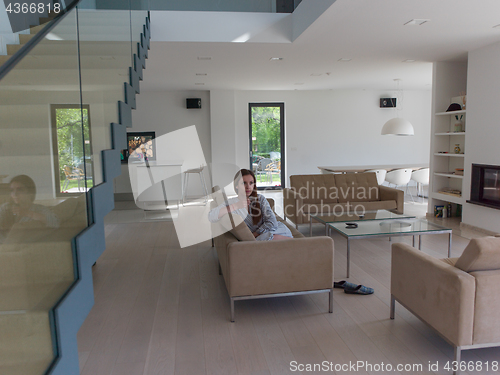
x=481 y=254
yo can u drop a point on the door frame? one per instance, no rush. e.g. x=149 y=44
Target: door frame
x=281 y=106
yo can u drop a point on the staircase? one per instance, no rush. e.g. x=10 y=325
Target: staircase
x=23 y=37
x=45 y=273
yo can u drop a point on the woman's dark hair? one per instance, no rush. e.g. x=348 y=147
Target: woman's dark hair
x=255 y=210
x=28 y=183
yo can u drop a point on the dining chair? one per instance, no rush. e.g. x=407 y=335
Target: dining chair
x=381 y=173
x=399 y=177
x=421 y=177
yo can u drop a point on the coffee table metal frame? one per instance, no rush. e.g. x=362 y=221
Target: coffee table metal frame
x=440 y=230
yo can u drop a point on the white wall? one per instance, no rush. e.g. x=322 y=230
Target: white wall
x=322 y=127
x=164 y=112
x=483 y=131
x=342 y=127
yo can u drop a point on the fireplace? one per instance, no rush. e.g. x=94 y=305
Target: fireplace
x=485 y=185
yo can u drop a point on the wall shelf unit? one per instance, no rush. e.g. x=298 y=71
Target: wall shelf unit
x=448 y=129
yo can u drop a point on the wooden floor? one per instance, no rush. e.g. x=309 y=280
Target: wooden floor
x=163 y=310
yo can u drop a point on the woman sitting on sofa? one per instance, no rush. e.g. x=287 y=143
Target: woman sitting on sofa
x=253 y=208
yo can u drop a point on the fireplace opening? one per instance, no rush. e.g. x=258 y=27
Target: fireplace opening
x=485 y=185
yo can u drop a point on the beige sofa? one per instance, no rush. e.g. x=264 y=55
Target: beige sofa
x=336 y=194
x=458 y=297
x=261 y=269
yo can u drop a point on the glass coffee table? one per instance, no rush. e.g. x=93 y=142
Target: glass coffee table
x=352 y=216
x=381 y=223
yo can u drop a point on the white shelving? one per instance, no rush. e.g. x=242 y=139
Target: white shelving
x=449 y=81
x=449 y=175
x=449 y=155
x=451 y=133
x=461 y=112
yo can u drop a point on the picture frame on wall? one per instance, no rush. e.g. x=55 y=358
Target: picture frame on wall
x=140 y=145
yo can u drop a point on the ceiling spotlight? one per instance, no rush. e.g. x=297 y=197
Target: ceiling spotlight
x=201 y=74
x=409 y=61
x=276 y=58
x=417 y=22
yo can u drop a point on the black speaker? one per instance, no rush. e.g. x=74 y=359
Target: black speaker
x=193 y=103
x=387 y=102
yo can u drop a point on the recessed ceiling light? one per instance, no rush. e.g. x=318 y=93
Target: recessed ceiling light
x=199 y=83
x=204 y=58
x=409 y=61
x=276 y=58
x=201 y=74
x=416 y=22
x=344 y=59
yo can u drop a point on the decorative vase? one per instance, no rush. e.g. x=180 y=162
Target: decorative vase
x=458 y=126
x=457 y=149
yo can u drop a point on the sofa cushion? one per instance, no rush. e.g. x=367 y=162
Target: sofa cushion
x=357 y=187
x=481 y=254
x=315 y=188
x=450 y=261
x=242 y=232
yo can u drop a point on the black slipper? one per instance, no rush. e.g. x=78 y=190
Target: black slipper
x=344 y=284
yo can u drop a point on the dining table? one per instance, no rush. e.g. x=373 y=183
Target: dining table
x=364 y=168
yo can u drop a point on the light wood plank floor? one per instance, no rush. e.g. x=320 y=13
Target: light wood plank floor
x=163 y=310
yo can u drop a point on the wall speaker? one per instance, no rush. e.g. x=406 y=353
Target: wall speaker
x=193 y=103
x=387 y=102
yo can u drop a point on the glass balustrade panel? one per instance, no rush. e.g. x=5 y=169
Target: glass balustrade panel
x=42 y=195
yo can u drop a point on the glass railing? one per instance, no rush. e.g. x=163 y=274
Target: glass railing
x=56 y=106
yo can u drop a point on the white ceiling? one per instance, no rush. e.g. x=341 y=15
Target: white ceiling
x=370 y=32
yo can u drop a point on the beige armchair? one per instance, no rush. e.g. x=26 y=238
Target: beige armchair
x=458 y=297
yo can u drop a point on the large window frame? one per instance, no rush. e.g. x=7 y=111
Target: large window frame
x=281 y=106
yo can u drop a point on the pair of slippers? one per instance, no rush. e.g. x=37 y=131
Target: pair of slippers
x=351 y=288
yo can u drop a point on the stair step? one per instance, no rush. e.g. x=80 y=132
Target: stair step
x=33 y=367
x=25 y=38
x=25 y=336
x=3 y=59
x=13 y=48
x=34 y=29
x=32 y=296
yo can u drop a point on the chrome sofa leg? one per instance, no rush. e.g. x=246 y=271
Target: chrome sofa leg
x=232 y=310
x=458 y=355
x=330 y=301
x=393 y=306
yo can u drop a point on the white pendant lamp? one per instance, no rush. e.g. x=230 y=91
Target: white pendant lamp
x=397 y=125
